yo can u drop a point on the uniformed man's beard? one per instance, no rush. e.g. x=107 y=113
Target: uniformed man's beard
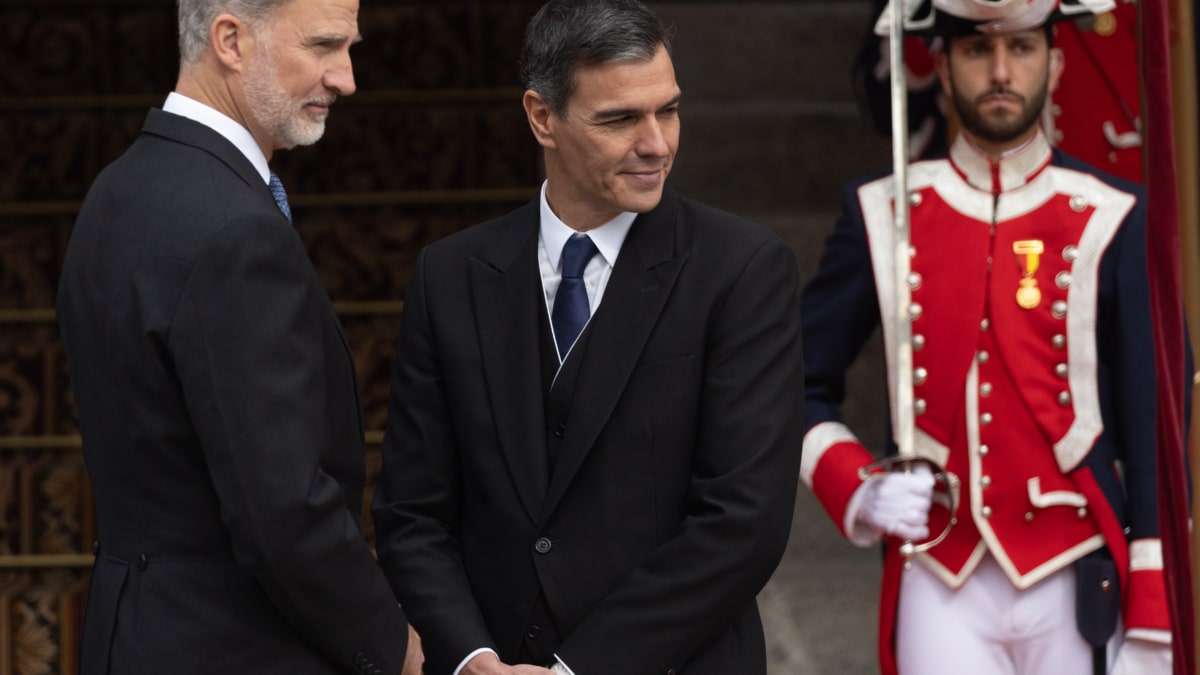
x=997 y=129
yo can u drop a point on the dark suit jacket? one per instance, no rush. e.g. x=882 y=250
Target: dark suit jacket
x=671 y=498
x=221 y=426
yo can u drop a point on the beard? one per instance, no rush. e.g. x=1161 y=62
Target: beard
x=273 y=109
x=996 y=129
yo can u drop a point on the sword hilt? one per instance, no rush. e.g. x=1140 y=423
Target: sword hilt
x=947 y=479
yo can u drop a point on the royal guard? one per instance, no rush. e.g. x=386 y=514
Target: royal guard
x=1093 y=116
x=1027 y=346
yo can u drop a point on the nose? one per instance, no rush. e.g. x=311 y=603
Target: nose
x=340 y=77
x=1001 y=71
x=652 y=139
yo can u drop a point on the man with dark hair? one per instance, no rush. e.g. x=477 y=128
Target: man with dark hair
x=596 y=404
x=217 y=399
x=1033 y=372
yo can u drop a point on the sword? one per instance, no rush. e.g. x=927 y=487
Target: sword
x=904 y=422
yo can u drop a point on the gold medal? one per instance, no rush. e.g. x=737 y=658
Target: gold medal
x=1028 y=295
x=1028 y=253
x=1105 y=24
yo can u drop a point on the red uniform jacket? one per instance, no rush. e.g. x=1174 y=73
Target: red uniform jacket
x=1044 y=408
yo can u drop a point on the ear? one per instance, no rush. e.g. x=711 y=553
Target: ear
x=1057 y=64
x=229 y=37
x=541 y=118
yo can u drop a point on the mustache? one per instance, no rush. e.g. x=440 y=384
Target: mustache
x=999 y=91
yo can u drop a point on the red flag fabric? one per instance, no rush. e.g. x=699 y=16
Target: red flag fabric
x=1163 y=242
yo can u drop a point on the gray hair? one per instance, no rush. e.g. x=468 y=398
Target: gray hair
x=568 y=34
x=196 y=18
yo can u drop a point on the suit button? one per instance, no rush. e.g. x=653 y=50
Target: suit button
x=96 y=547
x=533 y=632
x=559 y=430
x=142 y=561
x=543 y=546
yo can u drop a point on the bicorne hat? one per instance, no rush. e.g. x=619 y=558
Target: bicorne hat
x=963 y=17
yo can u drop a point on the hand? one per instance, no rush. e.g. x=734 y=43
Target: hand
x=1142 y=657
x=414 y=656
x=898 y=504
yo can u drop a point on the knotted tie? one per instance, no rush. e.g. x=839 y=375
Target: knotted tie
x=571 y=309
x=280 y=196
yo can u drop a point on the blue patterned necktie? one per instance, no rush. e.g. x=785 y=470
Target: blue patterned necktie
x=571 y=309
x=280 y=196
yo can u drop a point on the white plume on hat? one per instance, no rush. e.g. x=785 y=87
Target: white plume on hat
x=991 y=16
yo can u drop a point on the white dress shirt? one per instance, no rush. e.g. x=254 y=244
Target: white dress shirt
x=554 y=233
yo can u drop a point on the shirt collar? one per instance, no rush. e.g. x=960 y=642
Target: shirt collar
x=608 y=238
x=230 y=129
x=1012 y=170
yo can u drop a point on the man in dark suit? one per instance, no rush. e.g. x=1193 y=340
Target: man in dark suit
x=612 y=502
x=217 y=397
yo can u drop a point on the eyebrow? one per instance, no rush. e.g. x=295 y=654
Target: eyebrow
x=335 y=37
x=614 y=113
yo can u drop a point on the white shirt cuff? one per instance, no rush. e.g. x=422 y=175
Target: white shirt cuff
x=561 y=668
x=472 y=655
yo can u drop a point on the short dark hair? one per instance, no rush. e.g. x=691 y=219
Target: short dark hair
x=568 y=34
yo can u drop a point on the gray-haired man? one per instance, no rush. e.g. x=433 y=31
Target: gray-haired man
x=217 y=399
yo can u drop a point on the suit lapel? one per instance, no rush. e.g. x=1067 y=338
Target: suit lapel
x=508 y=296
x=646 y=271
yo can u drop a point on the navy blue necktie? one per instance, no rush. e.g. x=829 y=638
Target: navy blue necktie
x=280 y=196
x=571 y=309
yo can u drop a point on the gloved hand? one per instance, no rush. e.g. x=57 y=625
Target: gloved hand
x=898 y=504
x=1142 y=657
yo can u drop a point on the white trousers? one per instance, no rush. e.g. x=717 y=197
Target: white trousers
x=988 y=627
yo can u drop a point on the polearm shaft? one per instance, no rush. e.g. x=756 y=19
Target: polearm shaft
x=903 y=420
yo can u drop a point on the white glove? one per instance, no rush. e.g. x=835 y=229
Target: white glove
x=898 y=504
x=1142 y=657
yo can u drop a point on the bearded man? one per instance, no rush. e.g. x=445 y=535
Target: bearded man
x=1033 y=374
x=217 y=398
